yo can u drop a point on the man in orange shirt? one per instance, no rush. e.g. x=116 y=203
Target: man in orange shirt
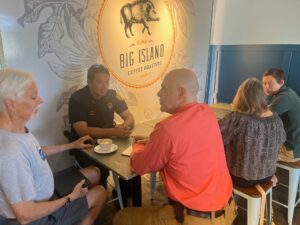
x=188 y=151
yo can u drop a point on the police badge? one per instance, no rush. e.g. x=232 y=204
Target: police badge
x=110 y=105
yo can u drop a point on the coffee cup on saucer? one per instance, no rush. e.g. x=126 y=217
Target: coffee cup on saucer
x=105 y=144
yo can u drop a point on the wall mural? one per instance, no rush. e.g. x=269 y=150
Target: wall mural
x=137 y=12
x=70 y=33
x=141 y=57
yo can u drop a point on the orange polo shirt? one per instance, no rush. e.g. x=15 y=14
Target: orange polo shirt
x=188 y=151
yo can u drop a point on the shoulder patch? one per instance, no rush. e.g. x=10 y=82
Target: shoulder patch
x=119 y=97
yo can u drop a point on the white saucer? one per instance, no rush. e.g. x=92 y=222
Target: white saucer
x=98 y=149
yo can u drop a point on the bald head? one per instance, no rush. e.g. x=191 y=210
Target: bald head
x=184 y=78
x=179 y=87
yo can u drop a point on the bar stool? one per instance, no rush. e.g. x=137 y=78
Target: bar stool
x=253 y=197
x=294 y=173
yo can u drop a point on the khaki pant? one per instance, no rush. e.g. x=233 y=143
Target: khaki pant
x=164 y=215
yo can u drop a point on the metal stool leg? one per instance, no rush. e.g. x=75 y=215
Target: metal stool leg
x=152 y=185
x=269 y=208
x=253 y=210
x=293 y=187
x=118 y=189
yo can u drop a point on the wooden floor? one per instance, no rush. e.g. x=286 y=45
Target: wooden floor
x=279 y=192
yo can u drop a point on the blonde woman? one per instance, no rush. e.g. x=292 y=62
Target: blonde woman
x=252 y=135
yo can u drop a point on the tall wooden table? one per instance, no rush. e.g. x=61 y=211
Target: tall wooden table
x=119 y=164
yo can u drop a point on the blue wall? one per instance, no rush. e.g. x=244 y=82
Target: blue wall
x=235 y=63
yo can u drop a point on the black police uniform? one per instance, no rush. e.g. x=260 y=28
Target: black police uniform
x=97 y=113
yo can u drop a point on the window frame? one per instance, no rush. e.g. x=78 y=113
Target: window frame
x=2 y=60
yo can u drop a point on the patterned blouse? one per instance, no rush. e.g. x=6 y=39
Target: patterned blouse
x=252 y=144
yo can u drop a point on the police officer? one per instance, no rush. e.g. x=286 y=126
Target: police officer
x=91 y=112
x=92 y=108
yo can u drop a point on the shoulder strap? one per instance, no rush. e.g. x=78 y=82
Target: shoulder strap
x=263 y=204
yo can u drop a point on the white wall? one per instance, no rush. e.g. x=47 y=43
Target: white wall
x=256 y=22
x=73 y=56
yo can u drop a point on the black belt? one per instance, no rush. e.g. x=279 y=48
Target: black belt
x=179 y=216
x=205 y=215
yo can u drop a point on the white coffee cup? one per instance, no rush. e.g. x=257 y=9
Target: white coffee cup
x=105 y=144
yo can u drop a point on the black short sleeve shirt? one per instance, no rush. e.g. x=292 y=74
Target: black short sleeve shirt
x=97 y=113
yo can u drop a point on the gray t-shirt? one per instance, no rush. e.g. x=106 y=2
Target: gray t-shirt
x=25 y=174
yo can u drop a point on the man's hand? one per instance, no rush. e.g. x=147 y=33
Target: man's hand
x=121 y=131
x=127 y=126
x=78 y=191
x=80 y=143
x=139 y=139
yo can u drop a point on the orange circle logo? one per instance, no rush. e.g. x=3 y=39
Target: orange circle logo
x=136 y=40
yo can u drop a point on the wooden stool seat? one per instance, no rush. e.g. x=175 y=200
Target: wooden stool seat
x=254 y=199
x=252 y=191
x=295 y=165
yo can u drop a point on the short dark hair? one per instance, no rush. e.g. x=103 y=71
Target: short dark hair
x=277 y=74
x=94 y=69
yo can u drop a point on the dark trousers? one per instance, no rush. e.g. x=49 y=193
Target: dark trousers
x=129 y=188
x=132 y=188
x=85 y=161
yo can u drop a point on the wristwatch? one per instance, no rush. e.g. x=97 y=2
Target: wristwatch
x=68 y=200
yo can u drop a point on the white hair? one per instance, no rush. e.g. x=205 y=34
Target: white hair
x=13 y=84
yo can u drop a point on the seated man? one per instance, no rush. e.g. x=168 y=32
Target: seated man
x=286 y=103
x=26 y=180
x=91 y=112
x=92 y=108
x=188 y=151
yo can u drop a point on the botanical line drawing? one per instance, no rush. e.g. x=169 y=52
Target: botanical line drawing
x=69 y=32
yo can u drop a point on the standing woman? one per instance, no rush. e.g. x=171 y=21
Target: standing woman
x=252 y=136
x=26 y=180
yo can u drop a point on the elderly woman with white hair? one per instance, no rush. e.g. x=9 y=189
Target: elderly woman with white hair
x=26 y=180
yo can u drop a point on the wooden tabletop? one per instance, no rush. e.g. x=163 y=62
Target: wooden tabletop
x=115 y=161
x=119 y=163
